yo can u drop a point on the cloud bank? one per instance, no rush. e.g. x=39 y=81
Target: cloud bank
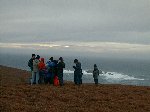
x=94 y=47
x=125 y=21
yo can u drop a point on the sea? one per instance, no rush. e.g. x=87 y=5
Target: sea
x=114 y=71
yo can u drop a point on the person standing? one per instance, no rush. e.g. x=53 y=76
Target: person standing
x=51 y=71
x=77 y=72
x=95 y=74
x=60 y=66
x=42 y=69
x=30 y=64
x=35 y=72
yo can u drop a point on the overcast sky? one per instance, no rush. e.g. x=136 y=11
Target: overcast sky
x=117 y=21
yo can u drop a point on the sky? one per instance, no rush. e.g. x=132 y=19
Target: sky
x=102 y=27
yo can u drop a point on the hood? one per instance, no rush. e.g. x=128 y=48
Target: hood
x=42 y=59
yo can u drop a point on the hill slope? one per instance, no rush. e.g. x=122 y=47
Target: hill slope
x=17 y=96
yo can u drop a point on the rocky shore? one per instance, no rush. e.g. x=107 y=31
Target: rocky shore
x=16 y=95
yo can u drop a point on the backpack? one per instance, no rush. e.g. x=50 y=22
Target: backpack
x=56 y=81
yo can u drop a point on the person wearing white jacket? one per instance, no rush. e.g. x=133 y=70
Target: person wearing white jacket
x=35 y=72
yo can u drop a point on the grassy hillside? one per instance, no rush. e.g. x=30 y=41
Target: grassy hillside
x=18 y=96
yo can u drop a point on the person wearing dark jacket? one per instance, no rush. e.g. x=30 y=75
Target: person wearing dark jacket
x=77 y=72
x=95 y=74
x=60 y=66
x=30 y=64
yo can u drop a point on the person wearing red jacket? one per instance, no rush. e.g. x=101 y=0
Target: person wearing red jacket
x=42 y=69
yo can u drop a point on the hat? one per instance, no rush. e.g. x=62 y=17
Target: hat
x=42 y=59
x=37 y=57
x=61 y=58
x=33 y=55
x=95 y=65
x=51 y=58
x=75 y=60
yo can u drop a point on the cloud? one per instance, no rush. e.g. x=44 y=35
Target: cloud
x=74 y=20
x=97 y=47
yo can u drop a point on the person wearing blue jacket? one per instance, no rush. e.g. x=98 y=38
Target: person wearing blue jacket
x=50 y=67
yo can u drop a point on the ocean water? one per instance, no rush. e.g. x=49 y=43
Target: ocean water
x=115 y=71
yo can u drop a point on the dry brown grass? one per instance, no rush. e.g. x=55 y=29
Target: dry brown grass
x=18 y=96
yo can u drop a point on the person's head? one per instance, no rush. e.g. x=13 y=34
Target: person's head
x=55 y=61
x=75 y=61
x=95 y=65
x=61 y=59
x=42 y=59
x=33 y=55
x=37 y=57
x=51 y=58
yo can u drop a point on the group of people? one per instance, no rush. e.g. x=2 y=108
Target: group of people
x=52 y=71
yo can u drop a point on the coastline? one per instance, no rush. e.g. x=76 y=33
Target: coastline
x=17 y=95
